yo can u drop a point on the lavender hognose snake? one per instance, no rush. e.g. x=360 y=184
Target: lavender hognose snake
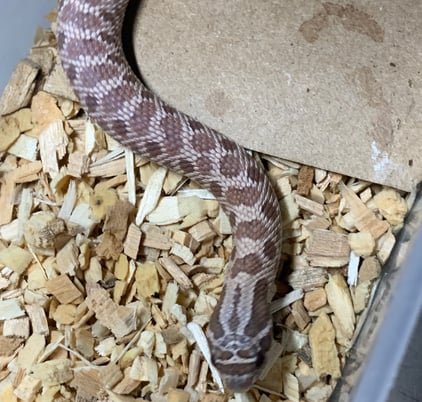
x=239 y=332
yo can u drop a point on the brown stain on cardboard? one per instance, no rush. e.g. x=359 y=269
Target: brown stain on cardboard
x=371 y=89
x=218 y=103
x=350 y=17
x=310 y=29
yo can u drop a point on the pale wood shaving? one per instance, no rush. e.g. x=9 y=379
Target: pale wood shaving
x=385 y=245
x=63 y=289
x=328 y=249
x=28 y=388
x=308 y=279
x=38 y=319
x=362 y=243
x=16 y=258
x=18 y=327
x=338 y=296
x=9 y=132
x=309 y=205
x=324 y=351
x=119 y=319
x=291 y=387
x=30 y=353
x=151 y=195
x=391 y=205
x=173 y=269
x=19 y=89
x=315 y=299
x=319 y=392
x=288 y=299
x=25 y=147
x=365 y=219
x=370 y=269
x=360 y=296
x=10 y=308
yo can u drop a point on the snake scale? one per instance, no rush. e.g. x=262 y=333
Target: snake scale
x=90 y=47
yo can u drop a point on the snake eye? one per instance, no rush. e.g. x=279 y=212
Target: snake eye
x=259 y=357
x=221 y=356
x=247 y=353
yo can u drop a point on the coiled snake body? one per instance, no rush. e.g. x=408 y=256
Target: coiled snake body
x=239 y=332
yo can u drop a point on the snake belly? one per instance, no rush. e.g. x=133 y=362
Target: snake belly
x=90 y=48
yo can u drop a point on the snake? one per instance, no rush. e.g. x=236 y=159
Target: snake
x=239 y=333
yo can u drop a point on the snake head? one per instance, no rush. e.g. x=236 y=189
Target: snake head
x=240 y=359
x=240 y=331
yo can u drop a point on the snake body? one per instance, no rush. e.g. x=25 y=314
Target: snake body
x=240 y=329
